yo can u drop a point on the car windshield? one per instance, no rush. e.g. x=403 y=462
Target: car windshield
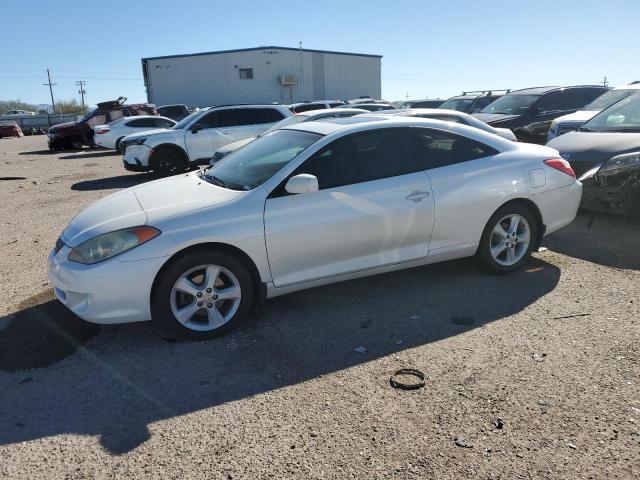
x=292 y=120
x=255 y=163
x=459 y=104
x=609 y=98
x=624 y=116
x=186 y=120
x=511 y=104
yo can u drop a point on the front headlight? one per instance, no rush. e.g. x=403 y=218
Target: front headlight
x=622 y=161
x=111 y=244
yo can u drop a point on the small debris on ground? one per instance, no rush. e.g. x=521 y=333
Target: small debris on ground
x=461 y=442
x=498 y=423
x=571 y=445
x=538 y=357
x=572 y=315
x=360 y=349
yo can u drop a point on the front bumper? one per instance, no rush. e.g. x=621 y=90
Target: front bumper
x=137 y=155
x=113 y=291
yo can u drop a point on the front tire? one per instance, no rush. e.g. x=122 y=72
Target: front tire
x=508 y=239
x=168 y=161
x=202 y=294
x=118 y=145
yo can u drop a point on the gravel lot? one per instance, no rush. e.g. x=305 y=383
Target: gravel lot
x=532 y=375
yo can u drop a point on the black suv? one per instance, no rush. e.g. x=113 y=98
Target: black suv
x=473 y=101
x=529 y=112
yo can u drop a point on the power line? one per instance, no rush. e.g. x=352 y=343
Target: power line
x=82 y=91
x=53 y=104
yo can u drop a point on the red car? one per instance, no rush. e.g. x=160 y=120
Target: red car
x=10 y=129
x=73 y=135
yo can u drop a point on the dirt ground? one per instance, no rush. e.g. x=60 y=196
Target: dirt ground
x=532 y=375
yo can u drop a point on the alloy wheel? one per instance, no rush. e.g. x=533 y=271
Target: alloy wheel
x=510 y=239
x=205 y=297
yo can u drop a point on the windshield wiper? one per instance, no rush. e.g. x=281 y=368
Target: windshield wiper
x=216 y=181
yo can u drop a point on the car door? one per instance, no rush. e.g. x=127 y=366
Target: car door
x=374 y=207
x=255 y=120
x=466 y=184
x=213 y=130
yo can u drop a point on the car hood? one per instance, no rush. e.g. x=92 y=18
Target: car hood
x=232 y=147
x=60 y=127
x=579 y=116
x=494 y=117
x=584 y=150
x=146 y=204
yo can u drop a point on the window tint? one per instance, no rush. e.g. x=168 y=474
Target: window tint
x=219 y=119
x=307 y=106
x=334 y=105
x=482 y=102
x=141 y=123
x=436 y=148
x=253 y=116
x=590 y=94
x=551 y=102
x=362 y=157
x=162 y=123
x=246 y=73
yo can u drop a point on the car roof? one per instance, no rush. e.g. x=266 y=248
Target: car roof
x=547 y=89
x=323 y=111
x=365 y=122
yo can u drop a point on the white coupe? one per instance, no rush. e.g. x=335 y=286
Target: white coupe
x=311 y=204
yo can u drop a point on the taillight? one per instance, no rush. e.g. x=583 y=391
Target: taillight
x=562 y=165
x=102 y=131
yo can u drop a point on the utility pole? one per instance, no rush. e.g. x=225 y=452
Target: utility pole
x=82 y=91
x=604 y=81
x=53 y=104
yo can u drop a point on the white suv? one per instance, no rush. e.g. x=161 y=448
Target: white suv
x=195 y=138
x=573 y=121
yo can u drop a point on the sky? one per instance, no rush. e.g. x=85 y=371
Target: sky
x=431 y=49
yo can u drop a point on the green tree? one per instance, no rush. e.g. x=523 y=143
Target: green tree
x=16 y=105
x=70 y=106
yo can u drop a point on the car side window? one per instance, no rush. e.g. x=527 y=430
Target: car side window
x=162 y=123
x=362 y=157
x=219 y=119
x=551 y=102
x=436 y=148
x=254 y=116
x=139 y=123
x=588 y=95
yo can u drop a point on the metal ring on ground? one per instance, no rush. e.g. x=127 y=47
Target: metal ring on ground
x=408 y=386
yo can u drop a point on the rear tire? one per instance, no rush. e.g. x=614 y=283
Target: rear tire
x=167 y=161
x=508 y=239
x=118 y=146
x=203 y=294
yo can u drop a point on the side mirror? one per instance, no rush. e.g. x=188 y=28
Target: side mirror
x=303 y=183
x=196 y=128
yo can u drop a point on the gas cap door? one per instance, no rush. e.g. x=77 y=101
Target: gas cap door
x=537 y=178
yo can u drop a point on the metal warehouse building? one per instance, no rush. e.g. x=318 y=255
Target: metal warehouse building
x=260 y=75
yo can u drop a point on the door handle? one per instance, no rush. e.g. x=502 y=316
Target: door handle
x=417 y=196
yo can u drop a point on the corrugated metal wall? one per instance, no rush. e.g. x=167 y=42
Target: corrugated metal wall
x=214 y=79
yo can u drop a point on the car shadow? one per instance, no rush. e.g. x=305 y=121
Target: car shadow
x=127 y=377
x=38 y=152
x=109 y=183
x=605 y=239
x=92 y=153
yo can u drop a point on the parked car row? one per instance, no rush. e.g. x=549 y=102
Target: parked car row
x=605 y=154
